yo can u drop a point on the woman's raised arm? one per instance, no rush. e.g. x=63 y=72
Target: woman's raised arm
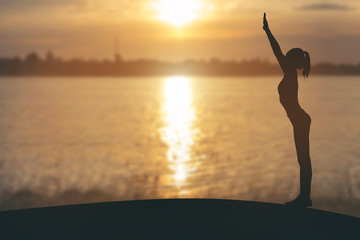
x=274 y=44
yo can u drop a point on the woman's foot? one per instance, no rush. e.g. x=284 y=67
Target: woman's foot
x=300 y=202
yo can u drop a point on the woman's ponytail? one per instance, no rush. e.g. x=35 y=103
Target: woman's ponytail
x=306 y=69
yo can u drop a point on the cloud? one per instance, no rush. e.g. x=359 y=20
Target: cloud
x=64 y=8
x=41 y=4
x=325 y=7
x=33 y=4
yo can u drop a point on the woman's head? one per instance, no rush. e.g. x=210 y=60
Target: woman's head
x=300 y=59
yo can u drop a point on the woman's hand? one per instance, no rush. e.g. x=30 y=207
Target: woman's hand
x=265 y=22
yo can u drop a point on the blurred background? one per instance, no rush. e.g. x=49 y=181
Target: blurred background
x=122 y=100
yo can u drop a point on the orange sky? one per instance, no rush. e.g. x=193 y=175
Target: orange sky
x=227 y=29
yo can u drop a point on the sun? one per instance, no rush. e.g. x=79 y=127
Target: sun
x=179 y=12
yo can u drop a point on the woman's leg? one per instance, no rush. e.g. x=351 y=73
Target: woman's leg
x=301 y=136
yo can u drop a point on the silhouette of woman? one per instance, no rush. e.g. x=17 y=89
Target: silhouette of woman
x=295 y=59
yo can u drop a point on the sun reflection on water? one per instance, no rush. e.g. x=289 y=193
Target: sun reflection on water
x=178 y=132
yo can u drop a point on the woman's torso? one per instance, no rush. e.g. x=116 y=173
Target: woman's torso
x=288 y=93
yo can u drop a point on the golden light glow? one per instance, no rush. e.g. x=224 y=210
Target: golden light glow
x=179 y=12
x=178 y=132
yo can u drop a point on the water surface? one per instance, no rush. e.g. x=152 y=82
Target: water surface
x=72 y=140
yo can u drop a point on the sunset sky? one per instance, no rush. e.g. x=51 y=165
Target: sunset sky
x=180 y=29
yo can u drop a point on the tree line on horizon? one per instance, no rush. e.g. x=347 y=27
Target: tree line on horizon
x=33 y=65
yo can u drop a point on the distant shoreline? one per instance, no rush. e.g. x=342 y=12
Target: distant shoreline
x=33 y=65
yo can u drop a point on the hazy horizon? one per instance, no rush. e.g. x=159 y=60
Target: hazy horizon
x=230 y=30
x=43 y=54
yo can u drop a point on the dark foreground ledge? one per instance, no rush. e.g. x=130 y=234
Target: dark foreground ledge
x=177 y=219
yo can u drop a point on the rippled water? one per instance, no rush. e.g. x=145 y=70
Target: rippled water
x=72 y=140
